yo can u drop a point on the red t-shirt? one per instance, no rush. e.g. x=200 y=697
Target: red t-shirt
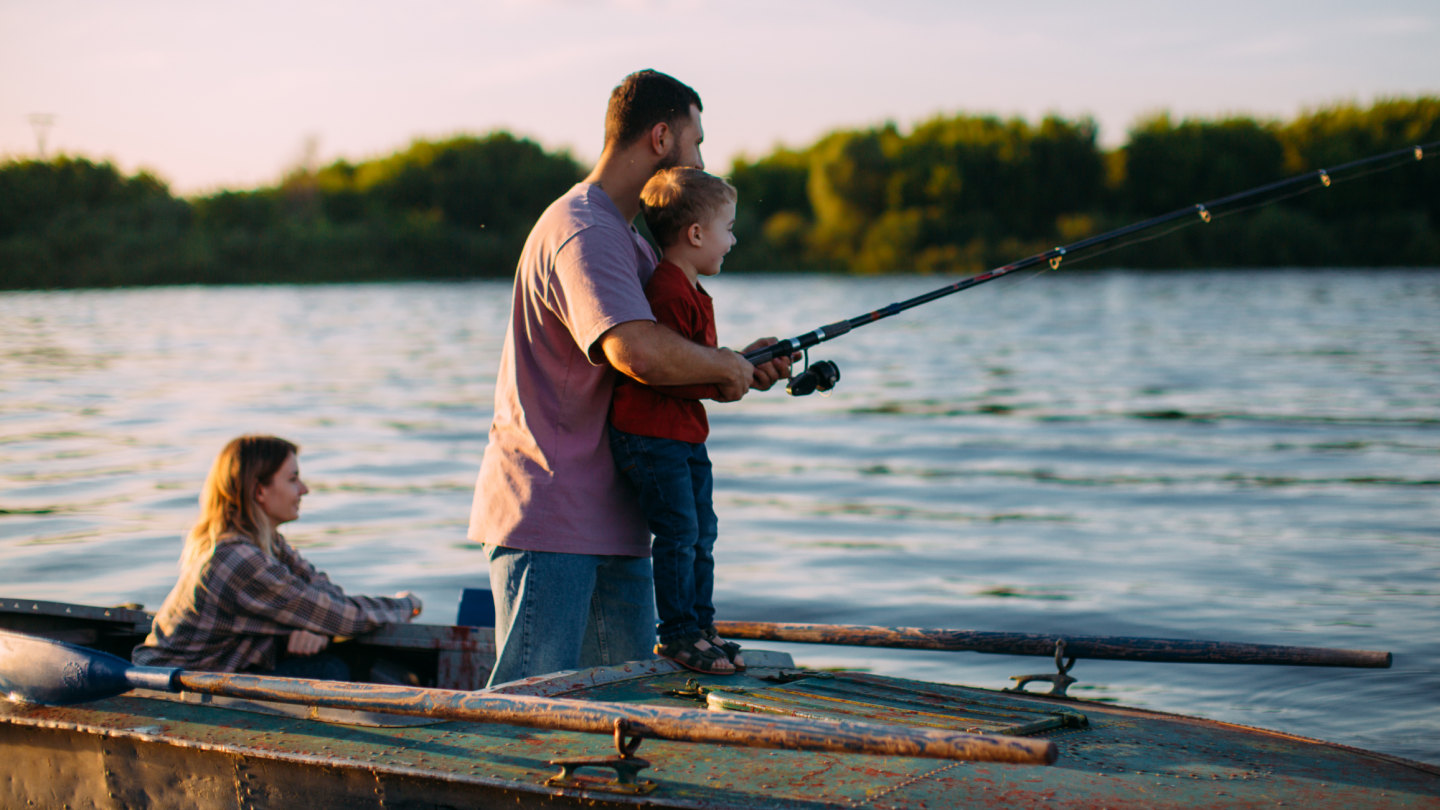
x=670 y=411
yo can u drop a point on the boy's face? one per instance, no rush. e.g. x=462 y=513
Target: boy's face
x=716 y=238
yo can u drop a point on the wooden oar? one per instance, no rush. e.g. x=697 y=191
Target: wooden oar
x=1117 y=648
x=37 y=670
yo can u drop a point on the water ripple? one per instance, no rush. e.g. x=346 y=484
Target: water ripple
x=1177 y=455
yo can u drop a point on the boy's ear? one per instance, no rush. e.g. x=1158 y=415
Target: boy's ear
x=694 y=234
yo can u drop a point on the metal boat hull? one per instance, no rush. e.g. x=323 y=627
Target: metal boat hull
x=151 y=751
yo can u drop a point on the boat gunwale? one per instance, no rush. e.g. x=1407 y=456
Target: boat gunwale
x=592 y=797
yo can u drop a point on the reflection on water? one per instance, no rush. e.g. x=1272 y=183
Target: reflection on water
x=1185 y=455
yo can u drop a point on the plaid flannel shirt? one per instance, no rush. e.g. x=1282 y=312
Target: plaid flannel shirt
x=234 y=612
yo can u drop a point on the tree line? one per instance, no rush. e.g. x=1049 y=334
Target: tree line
x=955 y=194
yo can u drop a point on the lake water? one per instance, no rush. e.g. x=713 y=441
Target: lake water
x=1235 y=456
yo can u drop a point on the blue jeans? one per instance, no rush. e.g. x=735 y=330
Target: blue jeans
x=676 y=486
x=557 y=611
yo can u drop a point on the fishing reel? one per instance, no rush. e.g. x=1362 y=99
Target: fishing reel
x=821 y=377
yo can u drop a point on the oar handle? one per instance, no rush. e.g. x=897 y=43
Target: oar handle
x=160 y=679
x=1117 y=648
x=656 y=722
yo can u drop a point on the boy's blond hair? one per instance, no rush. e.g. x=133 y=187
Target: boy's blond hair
x=679 y=197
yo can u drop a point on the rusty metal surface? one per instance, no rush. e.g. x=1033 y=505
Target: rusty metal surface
x=35 y=607
x=324 y=715
x=114 y=629
x=1118 y=648
x=432 y=637
x=55 y=768
x=1126 y=758
x=458 y=657
x=659 y=722
x=838 y=696
x=463 y=655
x=559 y=683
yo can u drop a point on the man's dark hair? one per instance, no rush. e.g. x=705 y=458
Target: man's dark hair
x=646 y=98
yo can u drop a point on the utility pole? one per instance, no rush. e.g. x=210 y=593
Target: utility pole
x=41 y=122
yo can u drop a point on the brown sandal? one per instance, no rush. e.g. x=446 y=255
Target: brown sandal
x=729 y=648
x=684 y=652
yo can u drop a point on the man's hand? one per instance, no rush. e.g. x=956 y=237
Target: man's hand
x=741 y=376
x=303 y=642
x=770 y=372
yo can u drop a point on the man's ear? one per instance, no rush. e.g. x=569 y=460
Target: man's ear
x=660 y=137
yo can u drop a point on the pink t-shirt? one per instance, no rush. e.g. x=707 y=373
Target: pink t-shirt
x=548 y=482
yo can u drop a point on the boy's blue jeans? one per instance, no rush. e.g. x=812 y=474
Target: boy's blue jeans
x=675 y=484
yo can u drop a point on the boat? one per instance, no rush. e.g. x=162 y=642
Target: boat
x=153 y=748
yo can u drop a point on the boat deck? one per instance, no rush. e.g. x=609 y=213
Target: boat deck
x=139 y=751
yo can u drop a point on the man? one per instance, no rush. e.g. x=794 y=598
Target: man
x=568 y=546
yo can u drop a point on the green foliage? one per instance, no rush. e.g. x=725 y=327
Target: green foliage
x=966 y=193
x=1333 y=135
x=774 y=220
x=954 y=194
x=1385 y=219
x=74 y=223
x=1168 y=166
x=451 y=209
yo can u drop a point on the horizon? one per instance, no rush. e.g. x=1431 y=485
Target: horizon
x=153 y=86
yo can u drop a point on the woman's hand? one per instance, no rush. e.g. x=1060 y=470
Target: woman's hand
x=303 y=642
x=413 y=598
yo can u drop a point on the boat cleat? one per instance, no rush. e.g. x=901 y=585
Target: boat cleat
x=627 y=769
x=1059 y=681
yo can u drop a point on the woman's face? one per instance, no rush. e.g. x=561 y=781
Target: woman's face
x=280 y=499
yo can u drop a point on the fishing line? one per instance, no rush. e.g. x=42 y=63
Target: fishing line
x=824 y=374
x=1334 y=181
x=1140 y=240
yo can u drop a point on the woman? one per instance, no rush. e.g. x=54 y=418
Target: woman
x=246 y=601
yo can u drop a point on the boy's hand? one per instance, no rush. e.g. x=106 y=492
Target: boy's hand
x=771 y=371
x=740 y=379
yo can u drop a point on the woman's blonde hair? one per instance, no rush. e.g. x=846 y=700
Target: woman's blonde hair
x=227 y=503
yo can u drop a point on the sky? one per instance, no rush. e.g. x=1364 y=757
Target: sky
x=212 y=95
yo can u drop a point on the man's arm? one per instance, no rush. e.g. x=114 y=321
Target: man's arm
x=656 y=355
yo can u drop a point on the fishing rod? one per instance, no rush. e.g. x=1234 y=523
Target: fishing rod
x=824 y=374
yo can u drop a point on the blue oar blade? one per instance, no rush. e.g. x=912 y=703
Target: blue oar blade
x=53 y=673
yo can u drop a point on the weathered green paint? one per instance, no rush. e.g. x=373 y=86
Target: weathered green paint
x=134 y=752
x=1126 y=757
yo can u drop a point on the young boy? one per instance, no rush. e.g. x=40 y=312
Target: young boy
x=658 y=433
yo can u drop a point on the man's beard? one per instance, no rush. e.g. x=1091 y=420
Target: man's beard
x=670 y=159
